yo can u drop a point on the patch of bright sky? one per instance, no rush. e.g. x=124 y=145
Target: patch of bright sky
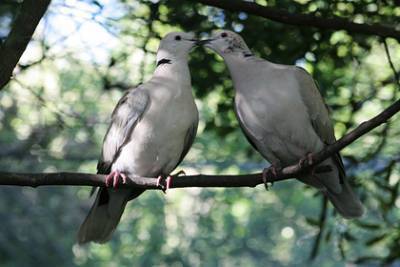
x=218 y=18
x=76 y=26
x=242 y=16
x=5 y=23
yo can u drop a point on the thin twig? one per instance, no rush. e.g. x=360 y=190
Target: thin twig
x=321 y=225
x=389 y=58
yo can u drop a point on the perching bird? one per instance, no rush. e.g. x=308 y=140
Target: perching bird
x=283 y=115
x=152 y=129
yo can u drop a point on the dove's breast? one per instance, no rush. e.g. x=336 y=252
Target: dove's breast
x=157 y=141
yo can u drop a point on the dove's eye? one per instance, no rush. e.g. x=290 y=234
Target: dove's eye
x=223 y=35
x=178 y=38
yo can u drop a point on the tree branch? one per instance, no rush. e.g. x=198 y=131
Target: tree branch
x=249 y=180
x=21 y=33
x=280 y=15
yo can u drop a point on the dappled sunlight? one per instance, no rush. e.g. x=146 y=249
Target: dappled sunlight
x=56 y=109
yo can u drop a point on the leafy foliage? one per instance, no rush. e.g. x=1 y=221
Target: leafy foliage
x=54 y=114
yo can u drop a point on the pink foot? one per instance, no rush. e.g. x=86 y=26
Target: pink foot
x=310 y=158
x=159 y=179
x=168 y=183
x=181 y=172
x=165 y=184
x=268 y=175
x=113 y=179
x=123 y=176
x=306 y=161
x=160 y=183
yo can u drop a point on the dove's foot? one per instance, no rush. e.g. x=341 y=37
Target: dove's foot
x=181 y=172
x=306 y=161
x=114 y=178
x=269 y=175
x=165 y=184
x=168 y=183
x=159 y=179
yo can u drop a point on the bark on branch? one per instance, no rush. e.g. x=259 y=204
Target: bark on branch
x=21 y=33
x=283 y=16
x=249 y=180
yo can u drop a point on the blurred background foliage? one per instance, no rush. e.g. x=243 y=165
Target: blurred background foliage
x=84 y=54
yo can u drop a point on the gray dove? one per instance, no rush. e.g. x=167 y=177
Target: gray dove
x=283 y=115
x=153 y=127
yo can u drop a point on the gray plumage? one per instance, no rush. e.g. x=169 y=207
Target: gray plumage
x=283 y=115
x=152 y=129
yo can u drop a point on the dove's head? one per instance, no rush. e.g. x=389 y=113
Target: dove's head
x=176 y=45
x=227 y=43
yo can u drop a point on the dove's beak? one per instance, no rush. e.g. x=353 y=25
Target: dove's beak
x=191 y=40
x=203 y=42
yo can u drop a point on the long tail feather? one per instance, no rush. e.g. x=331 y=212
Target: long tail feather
x=346 y=202
x=105 y=215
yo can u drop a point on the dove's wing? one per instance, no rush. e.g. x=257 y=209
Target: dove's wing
x=345 y=201
x=107 y=209
x=318 y=112
x=246 y=131
x=188 y=142
x=125 y=116
x=316 y=107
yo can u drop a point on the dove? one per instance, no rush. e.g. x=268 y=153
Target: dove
x=152 y=128
x=284 y=117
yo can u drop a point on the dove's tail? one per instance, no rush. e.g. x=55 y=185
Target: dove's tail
x=105 y=214
x=346 y=202
x=336 y=187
